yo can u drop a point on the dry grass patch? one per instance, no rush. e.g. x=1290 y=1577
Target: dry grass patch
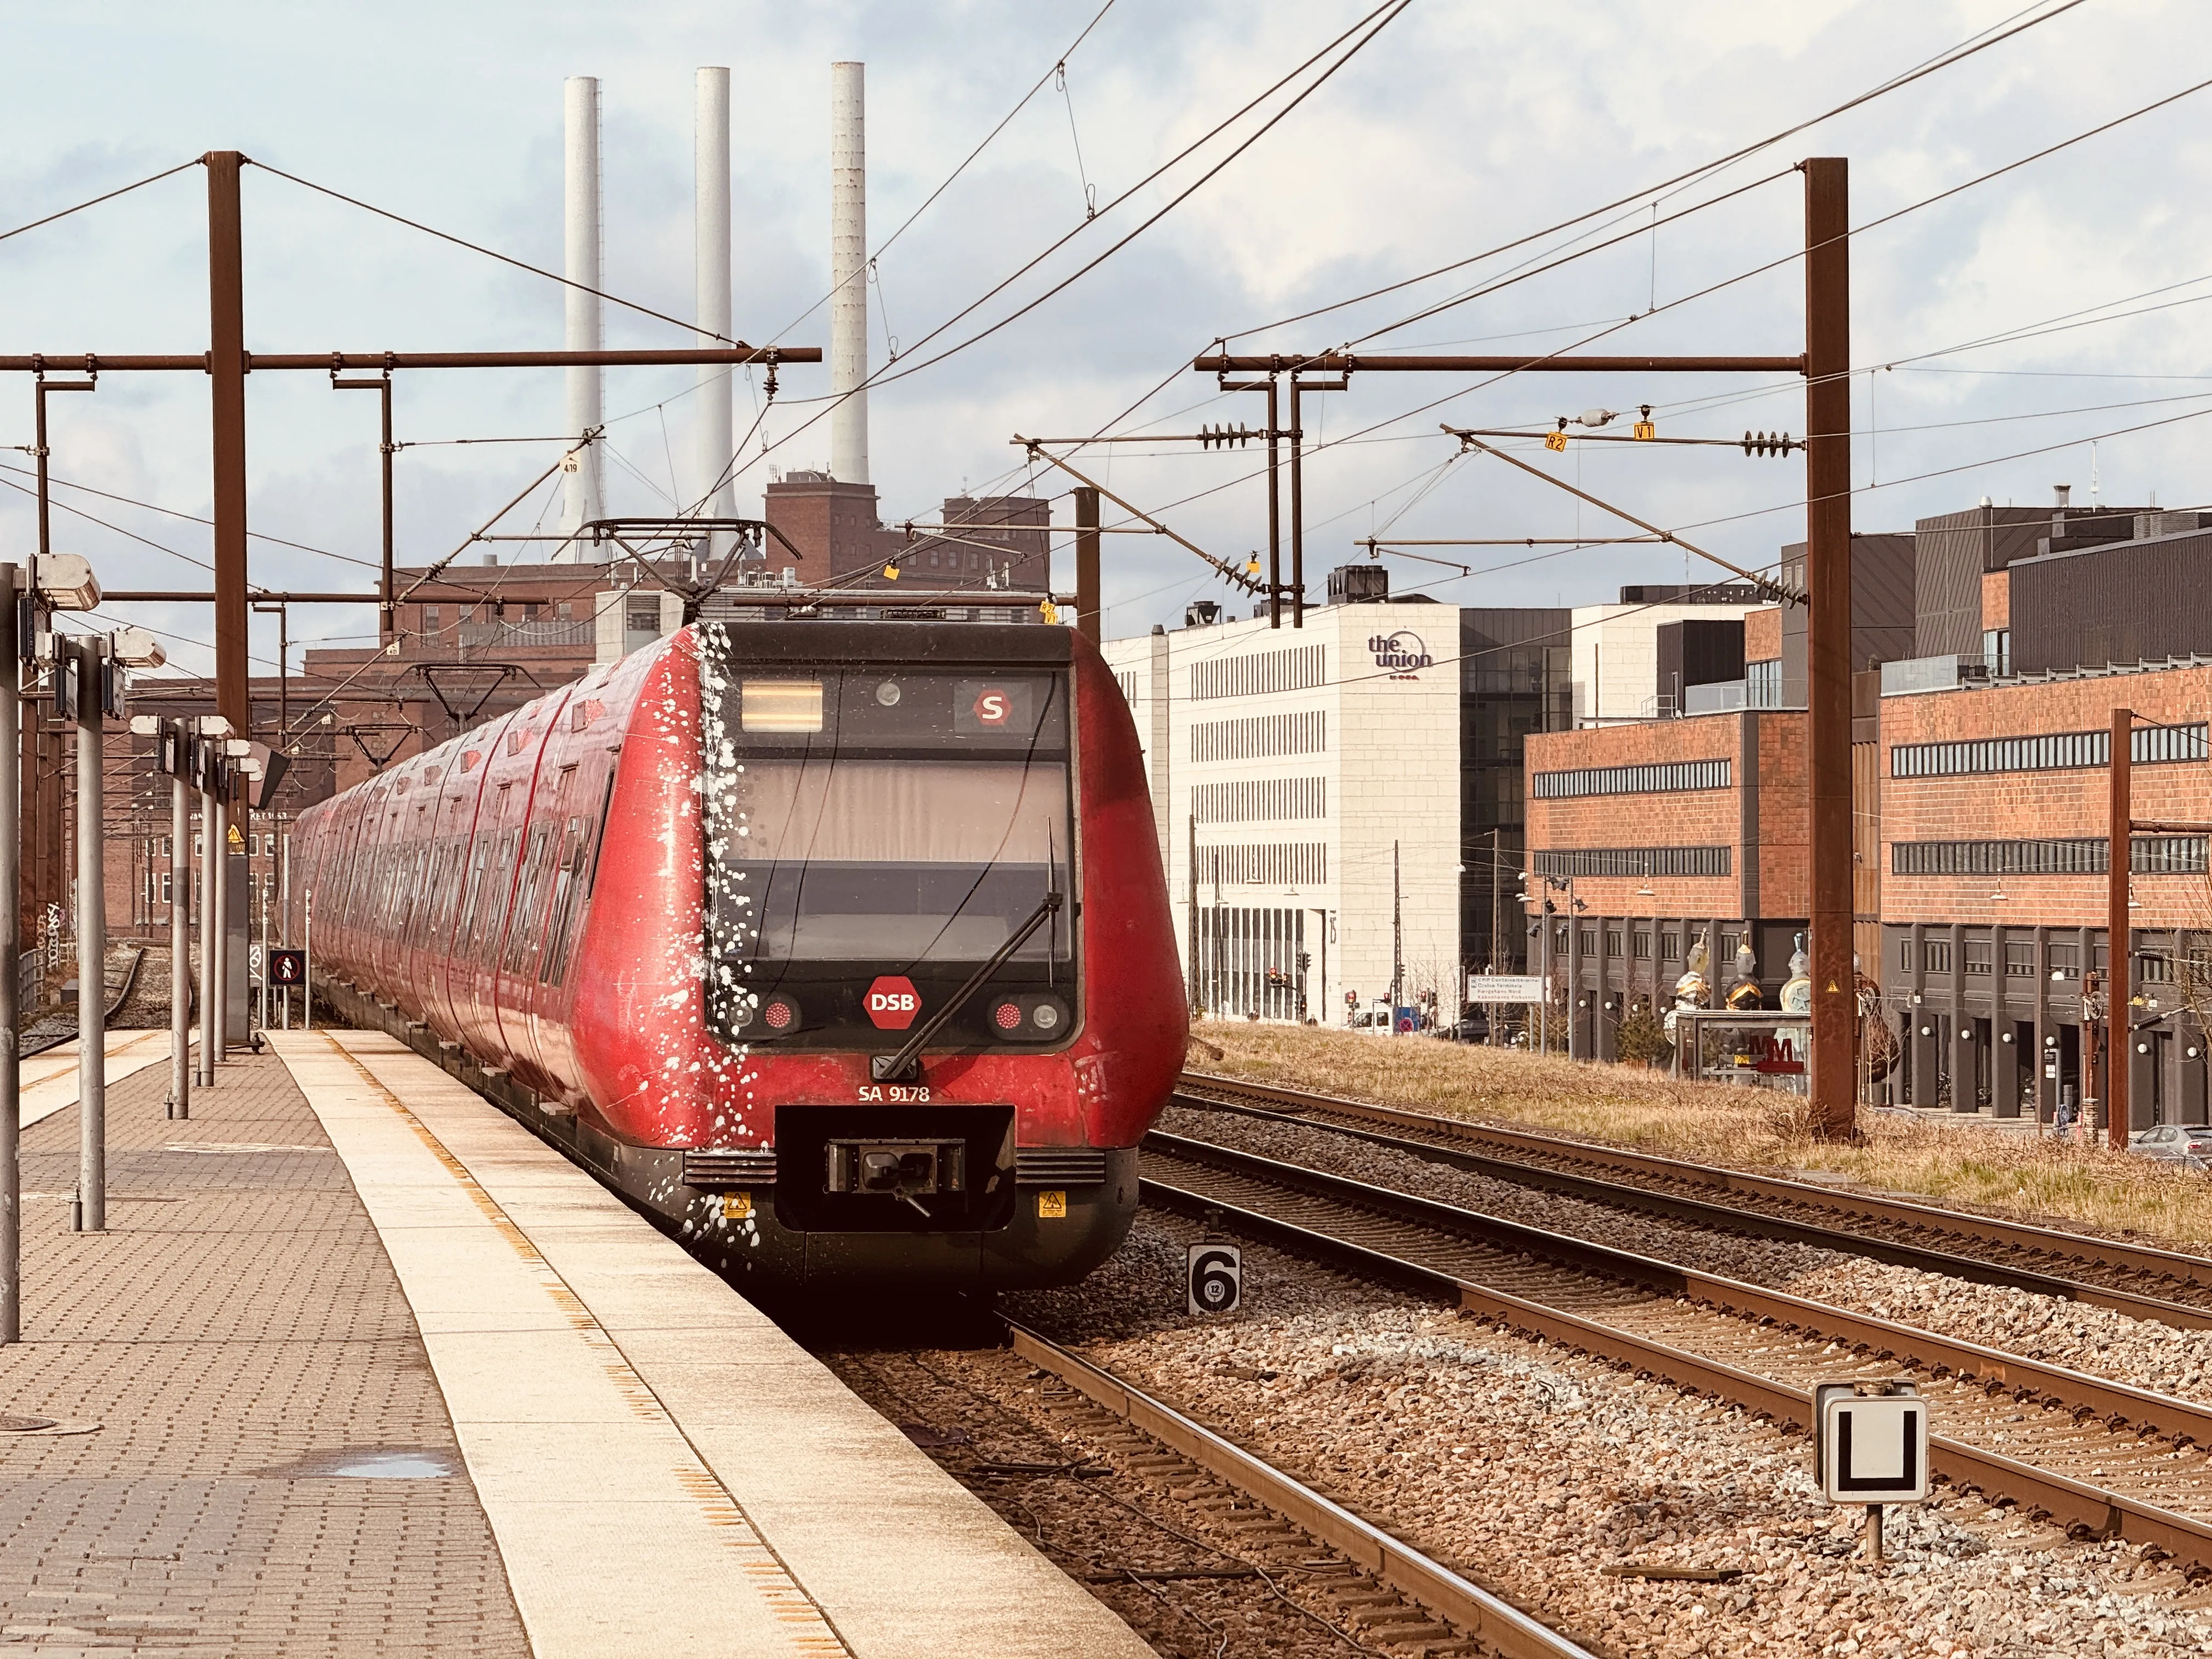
x=1972 y=1167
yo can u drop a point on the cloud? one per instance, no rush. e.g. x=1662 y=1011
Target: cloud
x=1461 y=127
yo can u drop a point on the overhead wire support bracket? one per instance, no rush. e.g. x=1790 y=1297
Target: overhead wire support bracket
x=1349 y=362
x=1765 y=585
x=1229 y=573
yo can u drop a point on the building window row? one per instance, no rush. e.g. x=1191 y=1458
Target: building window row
x=2078 y=856
x=1276 y=863
x=1671 y=777
x=2049 y=751
x=1252 y=961
x=1634 y=861
x=1295 y=669
x=1762 y=683
x=1260 y=799
x=1262 y=737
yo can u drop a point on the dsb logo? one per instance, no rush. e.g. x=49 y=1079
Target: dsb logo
x=892 y=1002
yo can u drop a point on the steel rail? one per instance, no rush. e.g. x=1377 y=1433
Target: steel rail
x=1496 y=1623
x=113 y=1007
x=1722 y=1217
x=2099 y=1510
x=1924 y=1350
x=2051 y=1243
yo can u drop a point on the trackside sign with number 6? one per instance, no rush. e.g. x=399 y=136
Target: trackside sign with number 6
x=1214 y=1277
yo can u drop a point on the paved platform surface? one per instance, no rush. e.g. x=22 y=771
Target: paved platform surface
x=242 y=1341
x=47 y=1080
x=663 y=1469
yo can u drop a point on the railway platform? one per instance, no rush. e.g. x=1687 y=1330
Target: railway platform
x=364 y=1366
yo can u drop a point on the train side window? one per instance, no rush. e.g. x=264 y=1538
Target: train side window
x=453 y=886
x=581 y=870
x=500 y=892
x=552 y=965
x=463 y=925
x=520 y=935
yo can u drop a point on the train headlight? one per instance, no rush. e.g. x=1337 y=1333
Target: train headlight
x=1046 y=1016
x=888 y=693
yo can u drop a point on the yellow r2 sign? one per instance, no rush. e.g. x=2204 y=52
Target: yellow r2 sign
x=1555 y=440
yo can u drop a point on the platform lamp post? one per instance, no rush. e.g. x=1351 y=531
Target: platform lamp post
x=54 y=581
x=89 y=681
x=173 y=742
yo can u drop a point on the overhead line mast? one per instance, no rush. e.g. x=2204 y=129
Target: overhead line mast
x=1825 y=365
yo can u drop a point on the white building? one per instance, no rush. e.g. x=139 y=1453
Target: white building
x=1616 y=650
x=1306 y=793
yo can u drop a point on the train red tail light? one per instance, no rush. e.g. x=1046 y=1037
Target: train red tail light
x=780 y=1015
x=1007 y=1016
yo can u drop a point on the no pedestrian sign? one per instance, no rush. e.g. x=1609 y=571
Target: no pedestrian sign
x=288 y=967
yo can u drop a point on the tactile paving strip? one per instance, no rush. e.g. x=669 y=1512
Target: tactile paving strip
x=239 y=1317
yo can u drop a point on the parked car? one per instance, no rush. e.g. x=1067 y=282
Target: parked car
x=1471 y=1026
x=2189 y=1144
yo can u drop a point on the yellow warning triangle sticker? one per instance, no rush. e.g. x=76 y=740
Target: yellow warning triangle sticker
x=237 y=840
x=1832 y=985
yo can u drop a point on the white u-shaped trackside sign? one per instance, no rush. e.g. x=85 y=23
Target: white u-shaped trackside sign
x=1870 y=1448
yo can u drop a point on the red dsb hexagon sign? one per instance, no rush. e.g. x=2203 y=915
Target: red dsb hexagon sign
x=892 y=1002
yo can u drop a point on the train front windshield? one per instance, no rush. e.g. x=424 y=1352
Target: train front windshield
x=877 y=834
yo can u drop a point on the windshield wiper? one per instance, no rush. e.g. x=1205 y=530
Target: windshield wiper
x=905 y=1066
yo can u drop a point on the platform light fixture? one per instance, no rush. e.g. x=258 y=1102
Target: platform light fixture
x=136 y=648
x=66 y=582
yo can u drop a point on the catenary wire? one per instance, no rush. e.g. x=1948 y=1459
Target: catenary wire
x=151 y=178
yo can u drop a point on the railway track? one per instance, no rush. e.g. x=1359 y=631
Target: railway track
x=2141 y=1280
x=1472 y=1612
x=114 y=1005
x=1169 y=1522
x=2095 y=1454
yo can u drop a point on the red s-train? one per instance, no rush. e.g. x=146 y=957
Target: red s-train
x=843 y=947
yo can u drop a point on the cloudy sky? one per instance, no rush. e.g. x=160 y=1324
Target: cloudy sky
x=1459 y=128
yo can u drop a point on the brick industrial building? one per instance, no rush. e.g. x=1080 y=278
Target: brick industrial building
x=1980 y=798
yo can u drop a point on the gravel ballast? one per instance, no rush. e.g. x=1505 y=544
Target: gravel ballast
x=1532 y=1470
x=2097 y=1340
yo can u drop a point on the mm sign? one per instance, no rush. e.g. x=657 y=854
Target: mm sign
x=1505 y=988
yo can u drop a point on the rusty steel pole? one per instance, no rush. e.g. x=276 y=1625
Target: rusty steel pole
x=226 y=368
x=387 y=450
x=1086 y=562
x=11 y=892
x=1828 y=638
x=43 y=807
x=90 y=715
x=2119 y=980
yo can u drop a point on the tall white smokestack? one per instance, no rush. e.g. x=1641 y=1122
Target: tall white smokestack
x=848 y=273
x=711 y=265
x=582 y=496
